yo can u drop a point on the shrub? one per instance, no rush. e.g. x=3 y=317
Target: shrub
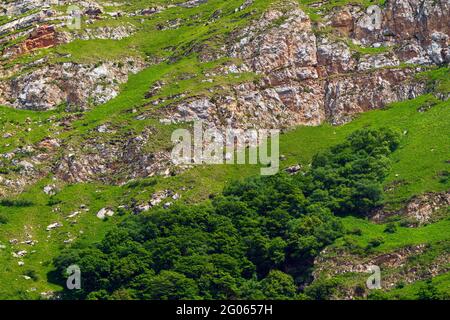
x=3 y=219
x=390 y=228
x=32 y=274
x=15 y=203
x=322 y=289
x=375 y=242
x=229 y=247
x=53 y=201
x=444 y=177
x=355 y=231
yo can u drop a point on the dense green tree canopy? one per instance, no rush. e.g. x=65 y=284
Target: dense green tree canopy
x=256 y=240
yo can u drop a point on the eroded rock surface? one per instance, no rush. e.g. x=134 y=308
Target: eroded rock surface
x=77 y=85
x=308 y=78
x=41 y=38
x=302 y=75
x=112 y=162
x=396 y=267
x=419 y=210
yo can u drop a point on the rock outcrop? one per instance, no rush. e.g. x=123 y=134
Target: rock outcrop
x=76 y=85
x=419 y=210
x=305 y=73
x=41 y=38
x=112 y=163
x=307 y=78
x=399 y=266
x=348 y=95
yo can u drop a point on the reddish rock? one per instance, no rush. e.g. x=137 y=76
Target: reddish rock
x=41 y=38
x=343 y=22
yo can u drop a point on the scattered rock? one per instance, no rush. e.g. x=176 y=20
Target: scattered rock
x=54 y=226
x=48 y=294
x=50 y=190
x=176 y=196
x=167 y=205
x=293 y=169
x=245 y=5
x=73 y=215
x=103 y=128
x=93 y=12
x=150 y=11
x=158 y=197
x=105 y=212
x=192 y=3
x=19 y=254
x=78 y=85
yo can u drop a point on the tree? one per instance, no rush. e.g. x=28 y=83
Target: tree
x=322 y=289
x=312 y=232
x=168 y=285
x=278 y=286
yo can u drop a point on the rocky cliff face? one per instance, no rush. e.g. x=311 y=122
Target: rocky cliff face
x=103 y=161
x=308 y=76
x=306 y=71
x=45 y=85
x=419 y=211
x=41 y=38
x=79 y=86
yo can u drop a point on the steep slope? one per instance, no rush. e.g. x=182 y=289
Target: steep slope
x=88 y=112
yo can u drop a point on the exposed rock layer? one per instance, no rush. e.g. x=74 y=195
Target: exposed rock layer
x=308 y=78
x=76 y=85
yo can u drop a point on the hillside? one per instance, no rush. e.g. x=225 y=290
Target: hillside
x=88 y=110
